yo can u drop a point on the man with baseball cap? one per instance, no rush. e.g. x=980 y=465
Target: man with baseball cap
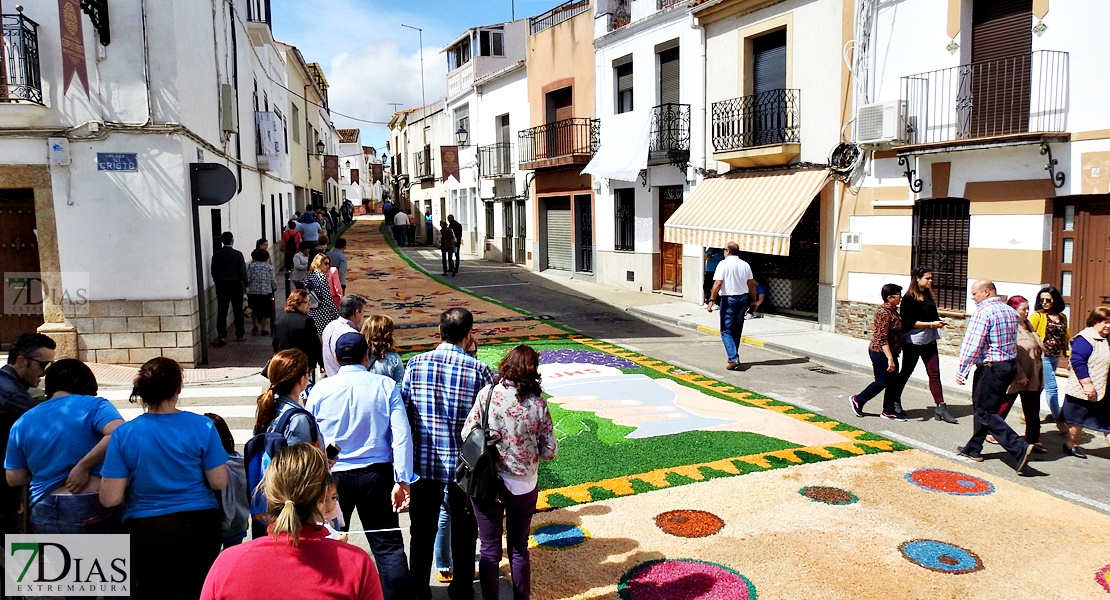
x=362 y=414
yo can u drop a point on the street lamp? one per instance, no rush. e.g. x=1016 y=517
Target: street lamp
x=420 y=39
x=347 y=164
x=319 y=149
x=461 y=136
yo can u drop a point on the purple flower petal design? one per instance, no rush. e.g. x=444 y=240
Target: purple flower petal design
x=587 y=357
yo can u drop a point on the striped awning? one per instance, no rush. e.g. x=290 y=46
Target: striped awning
x=758 y=212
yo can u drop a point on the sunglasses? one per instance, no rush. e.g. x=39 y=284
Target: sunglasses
x=45 y=364
x=1043 y=300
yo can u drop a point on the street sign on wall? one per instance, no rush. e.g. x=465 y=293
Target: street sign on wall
x=117 y=161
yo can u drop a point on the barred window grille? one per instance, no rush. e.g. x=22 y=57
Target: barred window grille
x=489 y=220
x=625 y=218
x=941 y=235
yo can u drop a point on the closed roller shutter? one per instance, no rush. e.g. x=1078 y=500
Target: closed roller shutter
x=1001 y=43
x=669 y=77
x=560 y=252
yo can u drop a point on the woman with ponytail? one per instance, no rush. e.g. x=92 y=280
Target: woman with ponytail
x=297 y=554
x=288 y=373
x=163 y=466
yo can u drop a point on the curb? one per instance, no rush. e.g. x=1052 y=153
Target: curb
x=830 y=361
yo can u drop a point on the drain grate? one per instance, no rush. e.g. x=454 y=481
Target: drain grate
x=822 y=370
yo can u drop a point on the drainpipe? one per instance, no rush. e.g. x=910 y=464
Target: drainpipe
x=235 y=76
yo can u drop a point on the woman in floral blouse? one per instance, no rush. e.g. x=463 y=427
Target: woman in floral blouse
x=886 y=343
x=519 y=419
x=1051 y=324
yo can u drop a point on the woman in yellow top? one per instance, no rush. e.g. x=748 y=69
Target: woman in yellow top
x=1051 y=325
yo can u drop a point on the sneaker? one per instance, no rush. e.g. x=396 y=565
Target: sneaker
x=1025 y=459
x=444 y=575
x=892 y=416
x=856 y=406
x=964 y=453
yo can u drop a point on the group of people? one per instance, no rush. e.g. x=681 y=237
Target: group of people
x=403 y=227
x=1014 y=349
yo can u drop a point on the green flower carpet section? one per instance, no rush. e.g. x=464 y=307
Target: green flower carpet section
x=628 y=423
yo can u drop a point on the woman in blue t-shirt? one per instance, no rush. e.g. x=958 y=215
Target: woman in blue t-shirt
x=57 y=448
x=165 y=464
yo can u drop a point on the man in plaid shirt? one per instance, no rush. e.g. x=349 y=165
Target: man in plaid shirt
x=439 y=390
x=990 y=344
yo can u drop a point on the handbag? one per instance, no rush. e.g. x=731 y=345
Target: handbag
x=476 y=473
x=313 y=299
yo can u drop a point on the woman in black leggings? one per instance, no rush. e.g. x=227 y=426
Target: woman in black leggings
x=922 y=325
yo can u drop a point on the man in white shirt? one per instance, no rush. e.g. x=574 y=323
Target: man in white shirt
x=351 y=312
x=734 y=288
x=401 y=228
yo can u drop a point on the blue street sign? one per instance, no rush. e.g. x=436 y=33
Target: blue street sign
x=117 y=161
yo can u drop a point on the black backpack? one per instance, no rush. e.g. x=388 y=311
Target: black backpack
x=476 y=472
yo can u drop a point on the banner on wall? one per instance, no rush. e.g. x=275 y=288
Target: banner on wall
x=331 y=167
x=449 y=162
x=73 y=45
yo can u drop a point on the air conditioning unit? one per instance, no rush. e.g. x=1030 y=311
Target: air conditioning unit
x=882 y=123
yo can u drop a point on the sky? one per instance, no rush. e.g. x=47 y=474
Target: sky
x=371 y=61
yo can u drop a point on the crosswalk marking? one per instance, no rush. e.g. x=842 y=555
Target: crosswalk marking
x=236 y=403
x=227 y=411
x=253 y=391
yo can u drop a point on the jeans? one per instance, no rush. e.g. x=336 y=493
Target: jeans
x=400 y=234
x=450 y=261
x=171 y=554
x=427 y=497
x=229 y=294
x=370 y=489
x=442 y=549
x=1050 y=364
x=884 y=380
x=988 y=391
x=517 y=512
x=732 y=323
x=930 y=357
x=74 y=513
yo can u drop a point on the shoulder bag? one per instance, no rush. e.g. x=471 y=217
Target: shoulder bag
x=476 y=472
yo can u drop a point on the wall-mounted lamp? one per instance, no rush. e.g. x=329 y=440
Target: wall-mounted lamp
x=319 y=149
x=462 y=136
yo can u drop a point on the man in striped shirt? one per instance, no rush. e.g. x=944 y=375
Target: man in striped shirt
x=439 y=390
x=990 y=344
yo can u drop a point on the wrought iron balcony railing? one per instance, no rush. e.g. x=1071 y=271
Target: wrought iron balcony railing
x=1025 y=93
x=664 y=4
x=670 y=134
x=258 y=11
x=563 y=12
x=22 y=78
x=771 y=117
x=422 y=163
x=496 y=160
x=577 y=136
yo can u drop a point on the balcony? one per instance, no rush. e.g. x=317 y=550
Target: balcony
x=1012 y=99
x=759 y=130
x=665 y=4
x=422 y=164
x=22 y=80
x=258 y=22
x=558 y=144
x=559 y=14
x=670 y=135
x=496 y=160
x=460 y=80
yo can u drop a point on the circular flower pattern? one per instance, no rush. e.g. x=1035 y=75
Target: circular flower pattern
x=689 y=523
x=950 y=482
x=1103 y=578
x=684 y=579
x=558 y=536
x=940 y=557
x=829 y=495
x=587 y=357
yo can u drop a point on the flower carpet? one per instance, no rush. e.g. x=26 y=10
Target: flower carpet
x=670 y=485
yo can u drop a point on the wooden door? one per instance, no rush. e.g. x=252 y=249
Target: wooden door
x=1081 y=254
x=19 y=254
x=670 y=255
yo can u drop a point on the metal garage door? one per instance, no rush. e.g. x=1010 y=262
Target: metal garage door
x=560 y=252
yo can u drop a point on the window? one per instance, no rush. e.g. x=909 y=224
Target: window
x=623 y=76
x=296 y=124
x=458 y=56
x=941 y=234
x=491 y=43
x=625 y=218
x=462 y=119
x=489 y=220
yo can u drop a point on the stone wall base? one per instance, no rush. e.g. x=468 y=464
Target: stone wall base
x=854 y=319
x=131 y=332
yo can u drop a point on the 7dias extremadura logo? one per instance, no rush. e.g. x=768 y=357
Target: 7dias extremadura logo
x=67 y=565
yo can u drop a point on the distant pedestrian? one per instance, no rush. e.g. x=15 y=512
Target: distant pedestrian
x=521 y=422
x=447 y=249
x=301 y=262
x=439 y=390
x=339 y=261
x=229 y=271
x=295 y=329
x=400 y=228
x=290 y=244
x=412 y=228
x=886 y=343
x=923 y=325
x=28 y=358
x=351 y=313
x=316 y=283
x=428 y=226
x=310 y=229
x=733 y=287
x=1051 y=325
x=990 y=345
x=261 y=286
x=1030 y=377
x=296 y=558
x=713 y=257
x=163 y=467
x=384 y=360
x=362 y=414
x=1086 y=401
x=457 y=229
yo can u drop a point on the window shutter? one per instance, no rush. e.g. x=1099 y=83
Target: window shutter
x=669 y=81
x=769 y=62
x=624 y=78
